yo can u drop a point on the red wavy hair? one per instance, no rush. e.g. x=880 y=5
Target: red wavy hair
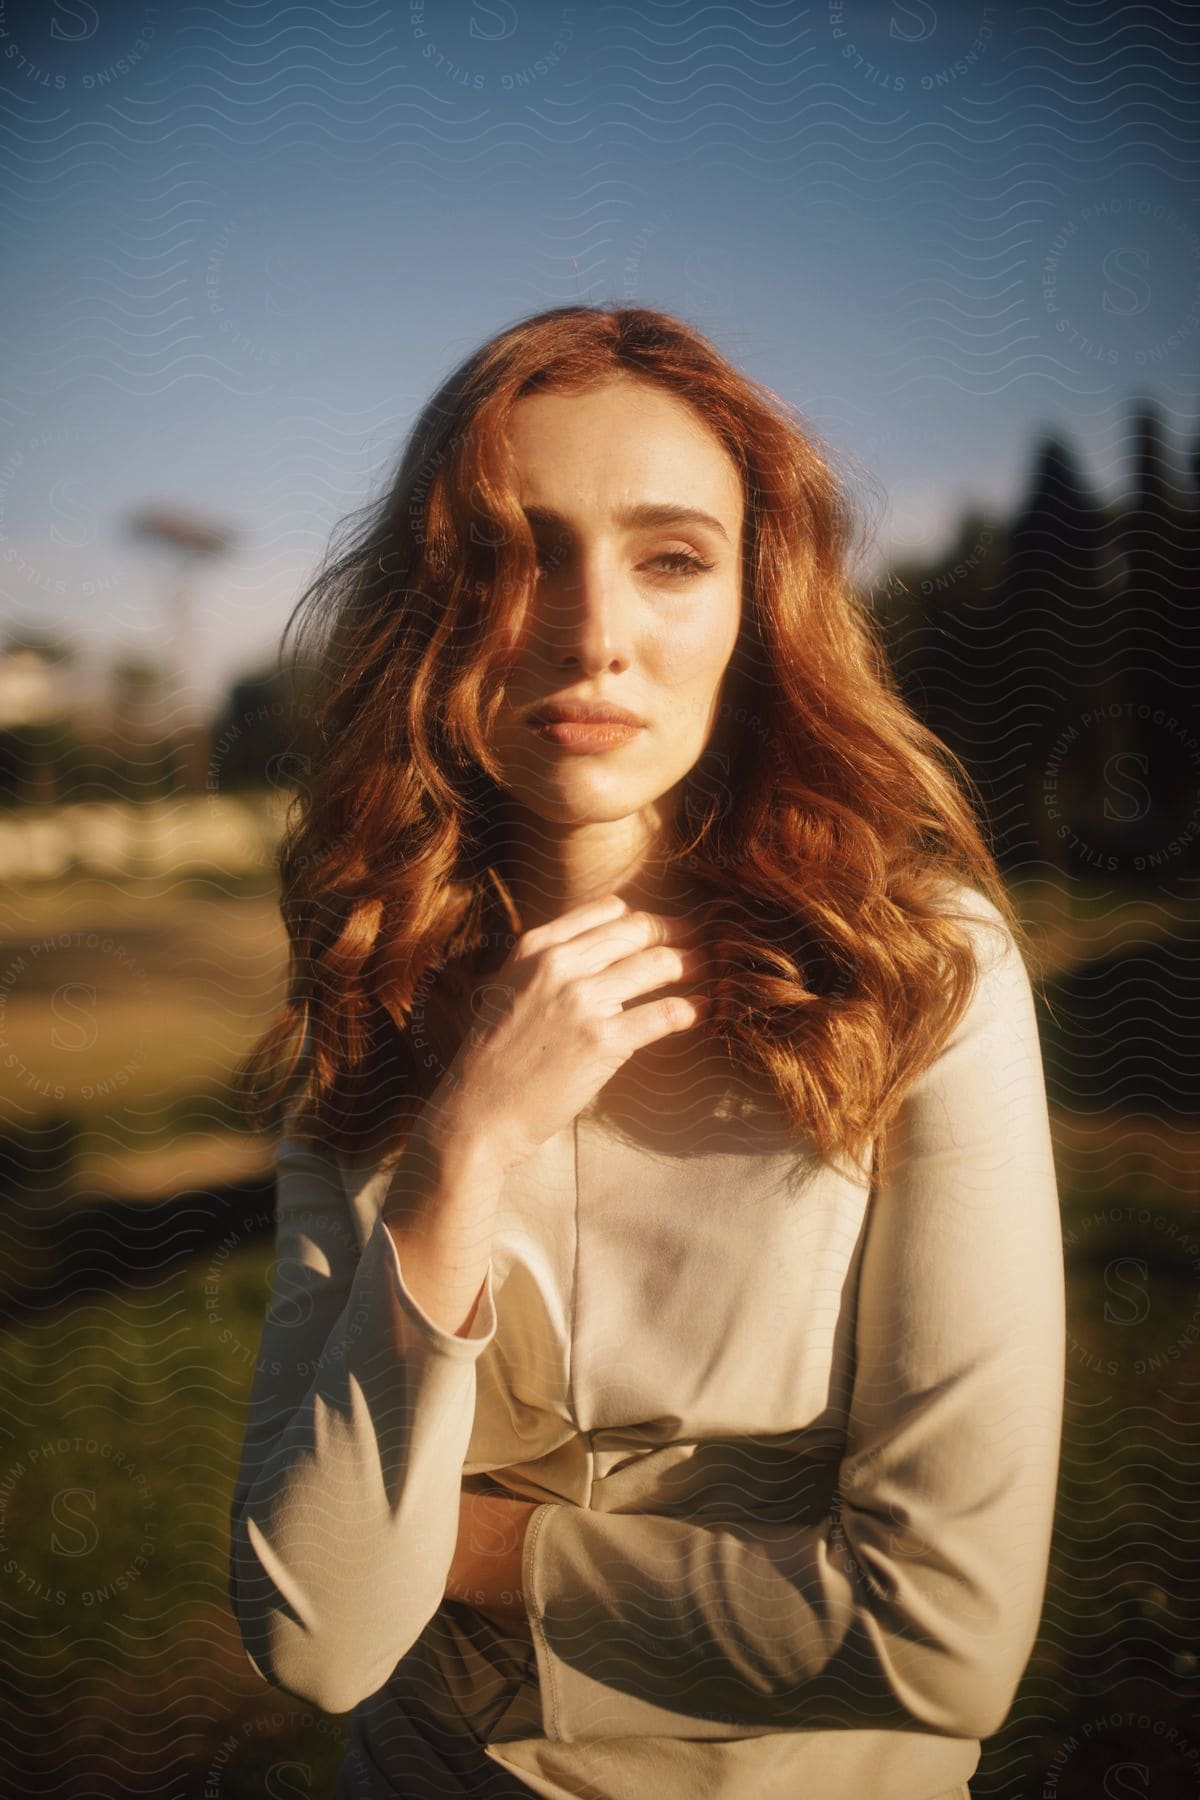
x=823 y=822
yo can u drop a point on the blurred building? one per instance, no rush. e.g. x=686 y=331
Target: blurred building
x=36 y=685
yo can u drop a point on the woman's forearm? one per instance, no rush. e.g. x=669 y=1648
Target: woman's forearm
x=344 y=1519
x=485 y=1571
x=441 y=1211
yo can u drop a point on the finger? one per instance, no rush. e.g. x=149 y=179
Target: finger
x=643 y=971
x=654 y=1019
x=577 y=921
x=606 y=943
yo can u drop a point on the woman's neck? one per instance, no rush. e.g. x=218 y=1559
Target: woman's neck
x=550 y=868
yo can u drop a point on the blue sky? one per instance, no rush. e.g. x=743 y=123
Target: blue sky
x=247 y=240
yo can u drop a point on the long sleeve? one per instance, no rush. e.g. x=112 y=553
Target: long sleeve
x=345 y=1510
x=914 y=1604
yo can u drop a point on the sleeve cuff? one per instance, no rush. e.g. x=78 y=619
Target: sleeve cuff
x=435 y=1336
x=546 y=1662
x=564 y=1555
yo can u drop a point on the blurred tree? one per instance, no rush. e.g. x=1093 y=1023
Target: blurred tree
x=47 y=643
x=36 y=700
x=1056 y=655
x=1160 y=639
x=250 y=735
x=138 y=685
x=1054 y=663
x=189 y=540
x=945 y=662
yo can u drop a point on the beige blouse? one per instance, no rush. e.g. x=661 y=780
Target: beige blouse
x=795 y=1436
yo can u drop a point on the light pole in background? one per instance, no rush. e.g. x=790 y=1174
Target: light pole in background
x=189 y=540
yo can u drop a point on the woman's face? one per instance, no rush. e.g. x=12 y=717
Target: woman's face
x=637 y=611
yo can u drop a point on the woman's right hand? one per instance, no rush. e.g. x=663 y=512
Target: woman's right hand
x=549 y=1027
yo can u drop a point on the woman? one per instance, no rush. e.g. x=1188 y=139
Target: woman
x=661 y=1387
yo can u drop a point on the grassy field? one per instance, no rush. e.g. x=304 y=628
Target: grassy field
x=124 y=1014
x=124 y=1425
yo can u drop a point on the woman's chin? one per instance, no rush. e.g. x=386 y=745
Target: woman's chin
x=581 y=805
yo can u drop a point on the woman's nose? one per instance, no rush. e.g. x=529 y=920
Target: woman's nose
x=588 y=616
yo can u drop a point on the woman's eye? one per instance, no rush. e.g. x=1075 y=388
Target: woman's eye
x=682 y=562
x=676 y=562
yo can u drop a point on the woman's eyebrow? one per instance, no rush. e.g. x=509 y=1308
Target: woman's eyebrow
x=649 y=512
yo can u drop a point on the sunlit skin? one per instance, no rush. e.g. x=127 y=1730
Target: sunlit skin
x=625 y=613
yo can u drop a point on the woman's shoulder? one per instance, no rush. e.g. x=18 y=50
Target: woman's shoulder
x=983 y=923
x=953 y=893
x=999 y=1005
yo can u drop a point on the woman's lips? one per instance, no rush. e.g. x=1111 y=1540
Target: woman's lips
x=585 y=736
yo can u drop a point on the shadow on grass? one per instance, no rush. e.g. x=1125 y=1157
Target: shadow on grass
x=52 y=1254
